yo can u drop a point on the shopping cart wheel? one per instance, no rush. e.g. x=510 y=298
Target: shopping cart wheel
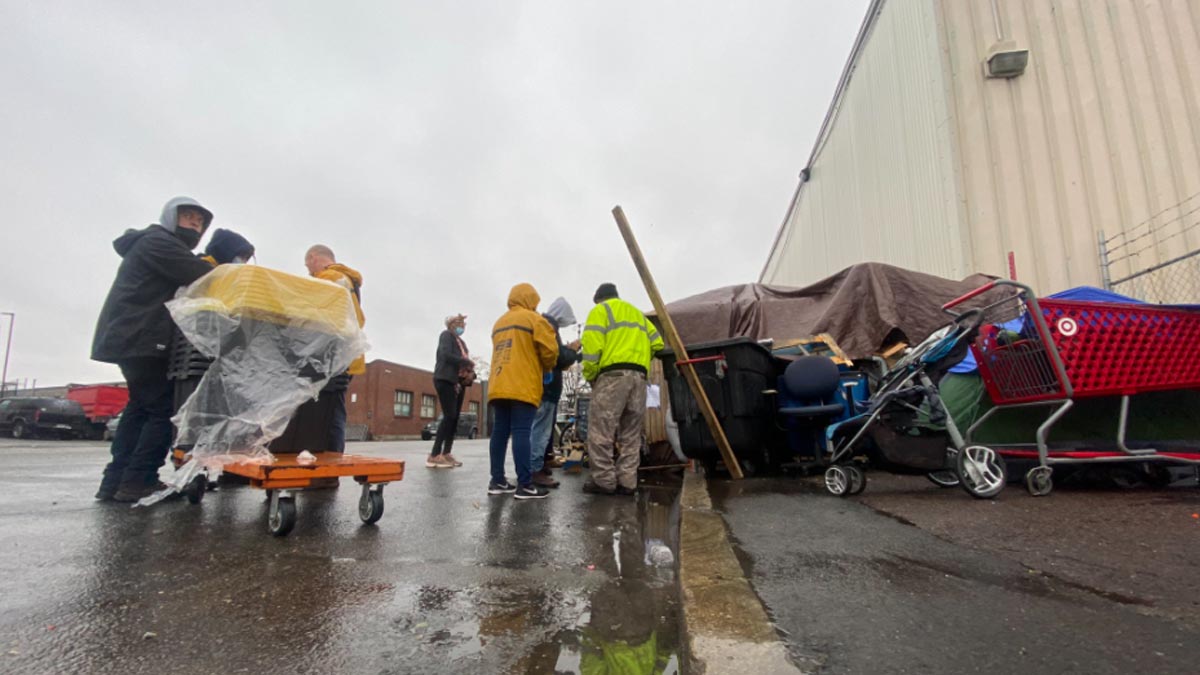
x=837 y=481
x=944 y=479
x=282 y=517
x=370 y=505
x=1038 y=481
x=195 y=490
x=858 y=480
x=981 y=471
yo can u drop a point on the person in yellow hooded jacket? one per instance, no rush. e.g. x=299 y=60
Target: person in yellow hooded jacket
x=322 y=264
x=523 y=350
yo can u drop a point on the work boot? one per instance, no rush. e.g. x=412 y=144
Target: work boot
x=131 y=493
x=541 y=478
x=626 y=492
x=592 y=488
x=109 y=484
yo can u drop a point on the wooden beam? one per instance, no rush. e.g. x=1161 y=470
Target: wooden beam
x=676 y=345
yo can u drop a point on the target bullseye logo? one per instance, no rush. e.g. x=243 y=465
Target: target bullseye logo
x=1067 y=326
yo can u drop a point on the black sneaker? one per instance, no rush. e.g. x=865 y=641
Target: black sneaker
x=591 y=488
x=105 y=494
x=625 y=492
x=501 y=488
x=531 y=492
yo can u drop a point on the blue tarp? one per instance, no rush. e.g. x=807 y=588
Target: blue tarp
x=1093 y=294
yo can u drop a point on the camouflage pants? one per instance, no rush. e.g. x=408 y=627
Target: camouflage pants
x=614 y=433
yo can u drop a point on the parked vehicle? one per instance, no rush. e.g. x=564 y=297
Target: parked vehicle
x=31 y=417
x=468 y=427
x=110 y=428
x=100 y=403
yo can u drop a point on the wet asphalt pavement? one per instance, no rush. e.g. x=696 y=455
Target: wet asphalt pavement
x=910 y=578
x=449 y=581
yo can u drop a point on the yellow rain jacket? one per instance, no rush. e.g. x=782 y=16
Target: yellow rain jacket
x=618 y=336
x=351 y=280
x=523 y=348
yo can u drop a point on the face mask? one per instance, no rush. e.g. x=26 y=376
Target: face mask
x=191 y=238
x=458 y=330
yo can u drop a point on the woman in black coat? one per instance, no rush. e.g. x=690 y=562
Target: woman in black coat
x=454 y=372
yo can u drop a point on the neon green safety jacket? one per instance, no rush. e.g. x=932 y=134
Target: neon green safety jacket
x=618 y=336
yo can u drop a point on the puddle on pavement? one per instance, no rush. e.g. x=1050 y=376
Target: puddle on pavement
x=612 y=607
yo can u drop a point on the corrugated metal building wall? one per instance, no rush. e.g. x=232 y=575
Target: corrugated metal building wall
x=1100 y=133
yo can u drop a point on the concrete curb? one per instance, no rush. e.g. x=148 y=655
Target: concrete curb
x=726 y=629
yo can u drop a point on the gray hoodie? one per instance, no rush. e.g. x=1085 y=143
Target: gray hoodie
x=170 y=213
x=560 y=311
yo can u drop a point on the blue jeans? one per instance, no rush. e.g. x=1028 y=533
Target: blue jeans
x=539 y=438
x=513 y=419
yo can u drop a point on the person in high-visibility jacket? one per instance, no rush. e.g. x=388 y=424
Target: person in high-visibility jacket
x=618 y=343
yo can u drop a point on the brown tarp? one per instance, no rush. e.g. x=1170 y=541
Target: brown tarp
x=864 y=308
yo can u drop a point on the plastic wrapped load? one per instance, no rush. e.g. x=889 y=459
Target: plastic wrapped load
x=275 y=339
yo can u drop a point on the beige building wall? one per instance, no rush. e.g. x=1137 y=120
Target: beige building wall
x=1100 y=134
x=881 y=184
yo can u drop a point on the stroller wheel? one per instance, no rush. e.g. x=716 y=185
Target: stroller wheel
x=981 y=471
x=837 y=481
x=946 y=479
x=858 y=480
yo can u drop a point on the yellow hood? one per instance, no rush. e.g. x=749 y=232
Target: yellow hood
x=354 y=275
x=523 y=296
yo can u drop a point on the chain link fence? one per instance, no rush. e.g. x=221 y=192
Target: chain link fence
x=1157 y=260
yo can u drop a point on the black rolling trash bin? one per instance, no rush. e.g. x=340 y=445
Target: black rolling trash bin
x=735 y=374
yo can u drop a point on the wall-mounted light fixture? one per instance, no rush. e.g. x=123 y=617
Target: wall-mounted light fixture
x=1005 y=60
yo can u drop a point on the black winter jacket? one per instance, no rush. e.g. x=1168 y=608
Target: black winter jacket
x=134 y=322
x=567 y=357
x=449 y=358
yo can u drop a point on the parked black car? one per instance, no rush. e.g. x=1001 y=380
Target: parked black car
x=30 y=417
x=468 y=427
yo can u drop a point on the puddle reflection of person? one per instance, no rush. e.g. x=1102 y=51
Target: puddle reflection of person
x=621 y=638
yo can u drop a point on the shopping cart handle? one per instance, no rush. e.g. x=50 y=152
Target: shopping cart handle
x=978 y=291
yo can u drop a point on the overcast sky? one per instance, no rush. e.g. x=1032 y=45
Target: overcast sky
x=446 y=150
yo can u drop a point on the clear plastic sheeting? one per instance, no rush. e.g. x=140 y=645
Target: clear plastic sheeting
x=275 y=339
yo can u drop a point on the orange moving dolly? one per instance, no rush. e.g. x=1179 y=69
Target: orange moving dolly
x=266 y=343
x=280 y=475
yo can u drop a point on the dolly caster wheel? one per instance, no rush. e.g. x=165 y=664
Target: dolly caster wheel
x=195 y=489
x=282 y=517
x=370 y=505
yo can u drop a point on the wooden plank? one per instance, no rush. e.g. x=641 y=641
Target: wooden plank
x=656 y=418
x=676 y=345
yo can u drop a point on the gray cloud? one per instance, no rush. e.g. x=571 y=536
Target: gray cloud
x=447 y=150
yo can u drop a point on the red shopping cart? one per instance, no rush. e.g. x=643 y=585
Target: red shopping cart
x=1051 y=352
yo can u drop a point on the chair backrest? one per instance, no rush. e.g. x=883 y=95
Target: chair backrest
x=812 y=378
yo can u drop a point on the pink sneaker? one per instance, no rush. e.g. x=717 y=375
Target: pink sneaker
x=453 y=461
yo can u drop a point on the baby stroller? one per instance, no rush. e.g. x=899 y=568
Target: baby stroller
x=905 y=428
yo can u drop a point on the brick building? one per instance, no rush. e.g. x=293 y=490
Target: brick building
x=395 y=401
